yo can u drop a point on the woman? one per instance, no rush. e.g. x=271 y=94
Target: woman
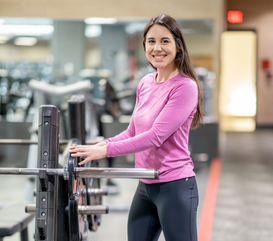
x=168 y=104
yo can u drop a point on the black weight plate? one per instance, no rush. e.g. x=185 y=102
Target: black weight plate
x=83 y=224
x=75 y=198
x=73 y=220
x=79 y=220
x=75 y=192
x=71 y=163
x=72 y=182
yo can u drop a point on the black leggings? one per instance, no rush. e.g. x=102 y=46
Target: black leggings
x=169 y=206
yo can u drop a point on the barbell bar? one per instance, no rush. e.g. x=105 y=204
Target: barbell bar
x=82 y=209
x=87 y=172
x=33 y=142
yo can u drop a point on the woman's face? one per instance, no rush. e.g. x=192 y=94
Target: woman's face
x=160 y=48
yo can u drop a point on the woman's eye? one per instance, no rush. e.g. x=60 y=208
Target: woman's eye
x=151 y=41
x=165 y=41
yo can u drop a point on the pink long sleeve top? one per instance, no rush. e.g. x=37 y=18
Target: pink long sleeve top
x=158 y=132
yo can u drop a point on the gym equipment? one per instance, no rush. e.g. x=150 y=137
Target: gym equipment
x=68 y=197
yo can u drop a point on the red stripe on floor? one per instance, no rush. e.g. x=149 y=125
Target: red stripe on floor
x=206 y=220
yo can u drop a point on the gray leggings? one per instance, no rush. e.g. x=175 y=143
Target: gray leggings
x=169 y=206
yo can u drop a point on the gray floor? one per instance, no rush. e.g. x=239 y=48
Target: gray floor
x=244 y=209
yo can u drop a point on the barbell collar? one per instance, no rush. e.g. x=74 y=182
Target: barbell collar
x=30 y=208
x=95 y=209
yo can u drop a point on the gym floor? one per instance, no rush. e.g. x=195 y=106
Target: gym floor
x=242 y=209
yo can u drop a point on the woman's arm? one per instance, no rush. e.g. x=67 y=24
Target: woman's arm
x=181 y=104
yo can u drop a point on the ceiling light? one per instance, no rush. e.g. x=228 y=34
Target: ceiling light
x=92 y=31
x=23 y=41
x=26 y=30
x=100 y=20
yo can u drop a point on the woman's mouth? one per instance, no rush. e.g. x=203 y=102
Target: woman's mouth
x=159 y=56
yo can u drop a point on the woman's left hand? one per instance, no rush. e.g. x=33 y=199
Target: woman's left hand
x=88 y=153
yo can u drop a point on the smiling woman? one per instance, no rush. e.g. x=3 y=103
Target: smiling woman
x=168 y=104
x=161 y=52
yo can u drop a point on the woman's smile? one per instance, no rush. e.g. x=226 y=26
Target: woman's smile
x=159 y=58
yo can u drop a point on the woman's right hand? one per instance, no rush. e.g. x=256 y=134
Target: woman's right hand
x=89 y=152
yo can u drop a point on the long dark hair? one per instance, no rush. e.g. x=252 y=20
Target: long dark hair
x=182 y=59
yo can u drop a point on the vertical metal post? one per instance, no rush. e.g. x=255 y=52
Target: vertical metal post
x=76 y=106
x=47 y=186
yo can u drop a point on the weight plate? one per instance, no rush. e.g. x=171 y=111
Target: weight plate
x=78 y=225
x=94 y=220
x=73 y=220
x=78 y=190
x=75 y=185
x=72 y=181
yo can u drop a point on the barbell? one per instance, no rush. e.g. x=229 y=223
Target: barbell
x=86 y=172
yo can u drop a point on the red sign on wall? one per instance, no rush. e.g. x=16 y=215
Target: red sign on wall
x=235 y=16
x=265 y=64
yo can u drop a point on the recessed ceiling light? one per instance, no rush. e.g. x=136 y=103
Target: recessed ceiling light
x=24 y=41
x=100 y=20
x=26 y=30
x=92 y=31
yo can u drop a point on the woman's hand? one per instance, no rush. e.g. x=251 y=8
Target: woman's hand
x=89 y=153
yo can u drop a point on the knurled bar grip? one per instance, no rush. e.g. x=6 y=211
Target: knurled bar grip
x=134 y=173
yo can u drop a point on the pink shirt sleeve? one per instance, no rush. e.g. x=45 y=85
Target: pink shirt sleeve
x=182 y=102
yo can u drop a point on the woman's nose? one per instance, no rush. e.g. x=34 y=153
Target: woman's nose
x=157 y=47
